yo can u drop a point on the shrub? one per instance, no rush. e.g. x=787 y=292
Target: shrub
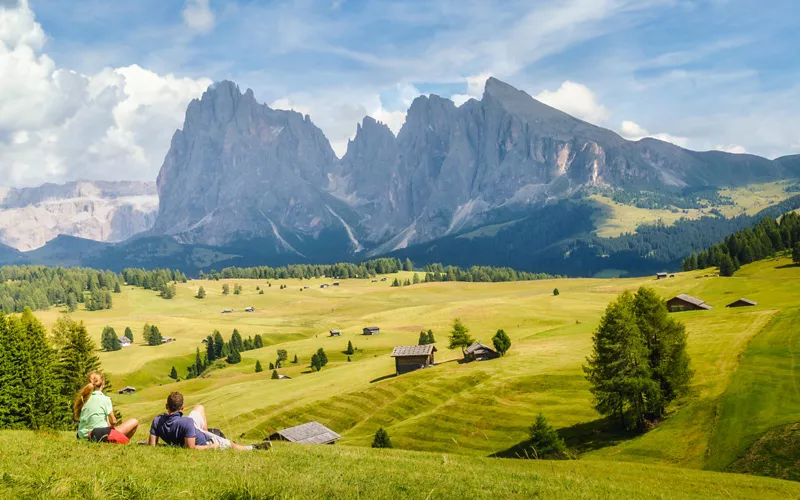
x=545 y=441
x=556 y=292
x=381 y=439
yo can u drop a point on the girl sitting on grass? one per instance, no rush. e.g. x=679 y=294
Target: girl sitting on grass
x=95 y=415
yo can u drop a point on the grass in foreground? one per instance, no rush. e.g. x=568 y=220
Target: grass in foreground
x=55 y=465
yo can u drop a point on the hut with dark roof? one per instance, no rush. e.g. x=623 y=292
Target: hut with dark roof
x=742 y=303
x=372 y=330
x=408 y=358
x=685 y=302
x=335 y=333
x=480 y=352
x=310 y=433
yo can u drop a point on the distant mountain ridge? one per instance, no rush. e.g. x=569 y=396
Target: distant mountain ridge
x=239 y=170
x=98 y=210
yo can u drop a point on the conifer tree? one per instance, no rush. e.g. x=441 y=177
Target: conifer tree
x=77 y=357
x=726 y=266
x=129 y=333
x=72 y=302
x=545 y=441
x=234 y=357
x=271 y=366
x=201 y=293
x=349 y=349
x=315 y=363
x=416 y=279
x=199 y=363
x=236 y=341
x=323 y=358
x=502 y=342
x=211 y=351
x=796 y=253
x=381 y=439
x=258 y=367
x=423 y=338
x=173 y=374
x=431 y=339
x=48 y=408
x=117 y=288
x=295 y=359
x=556 y=293
x=460 y=337
x=219 y=345
x=275 y=375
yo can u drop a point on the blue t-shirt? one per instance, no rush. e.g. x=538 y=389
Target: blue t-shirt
x=174 y=428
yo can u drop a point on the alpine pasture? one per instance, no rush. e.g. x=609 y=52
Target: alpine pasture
x=744 y=385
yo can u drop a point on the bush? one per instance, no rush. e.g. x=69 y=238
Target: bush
x=546 y=442
x=381 y=439
x=556 y=292
x=501 y=341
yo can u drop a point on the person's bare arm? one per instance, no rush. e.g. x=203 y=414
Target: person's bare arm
x=190 y=443
x=152 y=440
x=112 y=419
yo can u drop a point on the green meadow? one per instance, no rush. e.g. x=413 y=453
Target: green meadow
x=745 y=385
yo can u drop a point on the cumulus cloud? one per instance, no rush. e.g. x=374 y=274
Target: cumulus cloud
x=731 y=148
x=475 y=86
x=337 y=111
x=197 y=15
x=577 y=100
x=633 y=132
x=57 y=124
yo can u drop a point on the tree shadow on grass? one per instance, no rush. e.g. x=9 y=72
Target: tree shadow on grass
x=579 y=438
x=787 y=266
x=391 y=375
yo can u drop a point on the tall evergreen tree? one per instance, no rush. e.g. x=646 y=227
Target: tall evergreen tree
x=275 y=375
x=323 y=358
x=129 y=333
x=431 y=339
x=460 y=337
x=258 y=367
x=201 y=293
x=726 y=266
x=423 y=338
x=502 y=342
x=236 y=341
x=258 y=342
x=77 y=357
x=109 y=340
x=16 y=396
x=349 y=349
x=211 y=349
x=618 y=370
x=173 y=374
x=199 y=363
x=796 y=253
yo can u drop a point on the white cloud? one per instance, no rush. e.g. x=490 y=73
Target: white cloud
x=731 y=148
x=475 y=86
x=58 y=125
x=633 y=132
x=197 y=15
x=577 y=100
x=337 y=111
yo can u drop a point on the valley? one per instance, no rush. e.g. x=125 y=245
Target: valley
x=479 y=408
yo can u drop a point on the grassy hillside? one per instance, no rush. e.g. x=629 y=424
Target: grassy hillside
x=744 y=363
x=43 y=466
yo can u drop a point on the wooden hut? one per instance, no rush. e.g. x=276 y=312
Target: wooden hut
x=742 y=303
x=127 y=390
x=661 y=276
x=685 y=302
x=412 y=357
x=249 y=309
x=125 y=342
x=336 y=333
x=325 y=286
x=310 y=433
x=480 y=352
x=335 y=283
x=372 y=330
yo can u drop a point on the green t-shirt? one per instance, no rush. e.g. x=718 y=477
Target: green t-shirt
x=94 y=414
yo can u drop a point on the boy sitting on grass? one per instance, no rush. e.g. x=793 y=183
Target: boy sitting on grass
x=191 y=431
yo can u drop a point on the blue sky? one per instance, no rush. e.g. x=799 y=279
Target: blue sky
x=705 y=74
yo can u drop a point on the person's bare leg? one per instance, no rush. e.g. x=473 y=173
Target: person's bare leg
x=128 y=427
x=202 y=411
x=239 y=447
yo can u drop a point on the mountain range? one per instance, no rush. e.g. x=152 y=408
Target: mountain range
x=99 y=210
x=502 y=180
x=239 y=170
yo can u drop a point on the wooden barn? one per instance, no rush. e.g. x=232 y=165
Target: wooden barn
x=413 y=357
x=685 y=302
x=336 y=333
x=480 y=352
x=125 y=342
x=661 y=276
x=325 y=286
x=742 y=303
x=335 y=283
x=310 y=433
x=249 y=309
x=372 y=330
x=127 y=390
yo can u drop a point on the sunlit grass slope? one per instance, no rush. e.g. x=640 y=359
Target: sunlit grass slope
x=51 y=466
x=743 y=362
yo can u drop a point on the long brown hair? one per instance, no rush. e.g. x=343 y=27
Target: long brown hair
x=96 y=383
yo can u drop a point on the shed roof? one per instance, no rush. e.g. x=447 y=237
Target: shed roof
x=124 y=339
x=746 y=301
x=477 y=345
x=693 y=300
x=310 y=433
x=413 y=350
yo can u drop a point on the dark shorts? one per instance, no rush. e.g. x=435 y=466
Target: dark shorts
x=108 y=435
